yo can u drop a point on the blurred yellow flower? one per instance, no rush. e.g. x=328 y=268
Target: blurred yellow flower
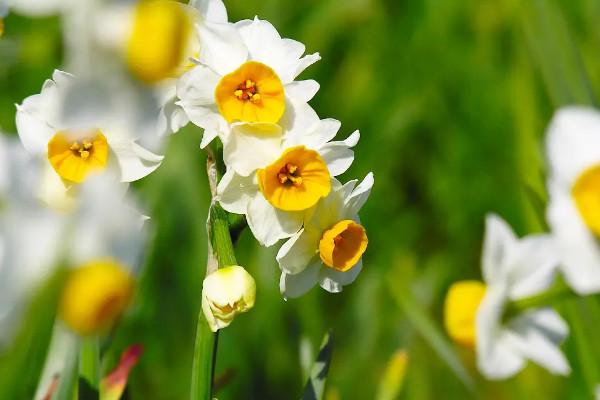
x=460 y=308
x=225 y=293
x=94 y=296
x=159 y=40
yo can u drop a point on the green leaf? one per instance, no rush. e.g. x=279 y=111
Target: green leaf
x=68 y=379
x=89 y=369
x=558 y=59
x=432 y=334
x=21 y=366
x=315 y=386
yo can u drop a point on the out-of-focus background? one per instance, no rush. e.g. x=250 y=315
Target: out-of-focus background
x=452 y=108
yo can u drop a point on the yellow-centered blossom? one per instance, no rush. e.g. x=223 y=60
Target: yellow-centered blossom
x=95 y=296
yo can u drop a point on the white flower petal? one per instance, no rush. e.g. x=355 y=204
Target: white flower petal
x=576 y=244
x=172 y=117
x=134 y=161
x=333 y=280
x=525 y=338
x=197 y=86
x=359 y=196
x=533 y=267
x=33 y=132
x=212 y=10
x=338 y=156
x=235 y=192
x=252 y=146
x=214 y=37
x=295 y=254
x=293 y=286
x=269 y=224
x=573 y=143
x=302 y=90
x=498 y=241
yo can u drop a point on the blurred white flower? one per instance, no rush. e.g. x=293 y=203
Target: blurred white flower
x=77 y=139
x=253 y=81
x=274 y=177
x=225 y=293
x=573 y=212
x=512 y=269
x=328 y=250
x=39 y=8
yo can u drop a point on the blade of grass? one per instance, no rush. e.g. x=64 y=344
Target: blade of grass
x=315 y=387
x=432 y=334
x=21 y=366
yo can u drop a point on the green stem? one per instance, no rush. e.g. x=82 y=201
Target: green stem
x=220 y=237
x=559 y=291
x=89 y=362
x=204 y=361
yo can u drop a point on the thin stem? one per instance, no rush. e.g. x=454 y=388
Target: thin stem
x=559 y=291
x=220 y=237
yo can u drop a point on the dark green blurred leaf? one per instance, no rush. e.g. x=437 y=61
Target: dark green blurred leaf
x=315 y=387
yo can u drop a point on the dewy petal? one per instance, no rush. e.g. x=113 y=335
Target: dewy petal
x=212 y=10
x=134 y=161
x=573 y=143
x=295 y=254
x=333 y=280
x=338 y=156
x=302 y=90
x=236 y=192
x=292 y=286
x=533 y=267
x=358 y=197
x=498 y=243
x=269 y=224
x=577 y=246
x=251 y=146
x=214 y=37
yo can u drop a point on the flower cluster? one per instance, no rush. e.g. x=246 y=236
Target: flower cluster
x=507 y=319
x=138 y=72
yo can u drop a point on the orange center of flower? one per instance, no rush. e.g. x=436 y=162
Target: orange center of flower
x=251 y=93
x=296 y=181
x=586 y=193
x=74 y=155
x=342 y=245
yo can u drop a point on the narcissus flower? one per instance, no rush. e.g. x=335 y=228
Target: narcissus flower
x=225 y=293
x=328 y=250
x=286 y=175
x=252 y=81
x=76 y=147
x=94 y=296
x=512 y=269
x=573 y=212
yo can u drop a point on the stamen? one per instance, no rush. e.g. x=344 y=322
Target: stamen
x=247 y=91
x=82 y=149
x=287 y=173
x=338 y=242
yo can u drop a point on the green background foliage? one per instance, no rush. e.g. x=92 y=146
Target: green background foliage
x=451 y=105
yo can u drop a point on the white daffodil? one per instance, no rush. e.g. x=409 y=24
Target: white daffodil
x=512 y=269
x=154 y=40
x=328 y=250
x=225 y=293
x=78 y=142
x=253 y=81
x=274 y=177
x=573 y=212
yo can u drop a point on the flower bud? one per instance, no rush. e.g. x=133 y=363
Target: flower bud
x=94 y=296
x=225 y=293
